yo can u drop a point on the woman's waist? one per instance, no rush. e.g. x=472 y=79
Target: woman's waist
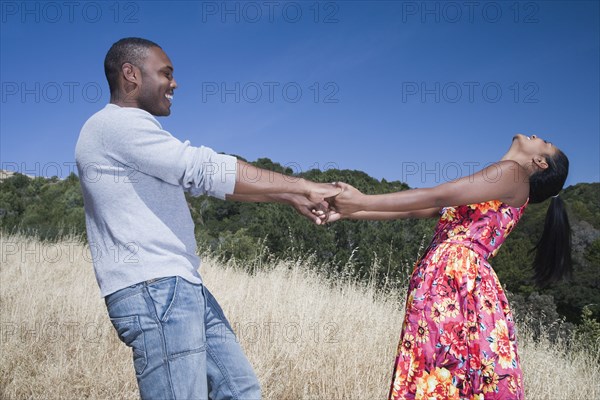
x=470 y=244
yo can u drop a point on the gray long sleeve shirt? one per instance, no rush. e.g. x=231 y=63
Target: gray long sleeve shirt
x=133 y=175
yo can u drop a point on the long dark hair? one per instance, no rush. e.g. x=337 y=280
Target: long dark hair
x=553 y=251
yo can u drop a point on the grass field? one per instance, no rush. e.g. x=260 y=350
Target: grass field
x=307 y=337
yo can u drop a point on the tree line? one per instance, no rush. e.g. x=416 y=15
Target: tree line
x=380 y=251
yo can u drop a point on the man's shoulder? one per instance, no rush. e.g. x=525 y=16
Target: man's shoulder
x=115 y=116
x=112 y=111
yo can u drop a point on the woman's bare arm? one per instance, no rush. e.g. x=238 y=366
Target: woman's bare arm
x=505 y=181
x=386 y=215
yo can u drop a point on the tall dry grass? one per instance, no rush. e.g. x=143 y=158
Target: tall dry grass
x=307 y=337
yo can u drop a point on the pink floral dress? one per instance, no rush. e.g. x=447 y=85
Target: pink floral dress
x=458 y=337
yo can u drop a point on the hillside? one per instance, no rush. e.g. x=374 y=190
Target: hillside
x=49 y=208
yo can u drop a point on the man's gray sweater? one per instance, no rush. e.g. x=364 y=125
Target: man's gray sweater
x=133 y=175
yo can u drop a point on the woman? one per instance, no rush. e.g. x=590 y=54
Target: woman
x=458 y=337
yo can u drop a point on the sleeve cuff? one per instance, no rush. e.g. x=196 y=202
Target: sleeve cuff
x=224 y=181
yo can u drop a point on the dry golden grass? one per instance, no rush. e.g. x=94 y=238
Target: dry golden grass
x=308 y=338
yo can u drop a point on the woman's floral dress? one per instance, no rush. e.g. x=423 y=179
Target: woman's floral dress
x=458 y=337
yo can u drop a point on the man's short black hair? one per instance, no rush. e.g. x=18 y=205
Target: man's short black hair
x=127 y=50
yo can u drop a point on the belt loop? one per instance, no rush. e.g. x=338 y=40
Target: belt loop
x=150 y=281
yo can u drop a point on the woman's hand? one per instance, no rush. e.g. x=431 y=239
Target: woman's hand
x=347 y=202
x=318 y=192
x=344 y=204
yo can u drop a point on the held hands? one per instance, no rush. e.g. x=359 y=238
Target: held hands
x=346 y=201
x=313 y=204
x=317 y=201
x=326 y=202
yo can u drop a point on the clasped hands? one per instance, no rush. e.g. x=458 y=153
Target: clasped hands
x=327 y=202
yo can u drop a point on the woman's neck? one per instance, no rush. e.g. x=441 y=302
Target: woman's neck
x=523 y=160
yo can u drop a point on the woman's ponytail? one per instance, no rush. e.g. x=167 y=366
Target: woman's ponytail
x=553 y=251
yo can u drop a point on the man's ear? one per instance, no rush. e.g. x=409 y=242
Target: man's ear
x=131 y=73
x=540 y=162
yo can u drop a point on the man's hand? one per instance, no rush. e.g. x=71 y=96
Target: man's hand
x=312 y=204
x=330 y=216
x=317 y=212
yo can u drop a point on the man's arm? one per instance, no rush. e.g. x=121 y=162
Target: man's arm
x=133 y=138
x=199 y=170
x=251 y=180
x=255 y=184
x=314 y=211
x=137 y=140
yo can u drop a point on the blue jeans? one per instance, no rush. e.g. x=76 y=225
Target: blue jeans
x=183 y=346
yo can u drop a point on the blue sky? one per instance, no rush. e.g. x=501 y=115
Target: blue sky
x=420 y=92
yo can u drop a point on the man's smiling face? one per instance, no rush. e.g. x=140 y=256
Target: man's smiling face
x=157 y=85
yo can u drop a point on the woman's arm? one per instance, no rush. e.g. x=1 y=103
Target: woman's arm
x=385 y=215
x=506 y=181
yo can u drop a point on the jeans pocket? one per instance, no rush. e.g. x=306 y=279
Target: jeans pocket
x=163 y=293
x=214 y=307
x=131 y=333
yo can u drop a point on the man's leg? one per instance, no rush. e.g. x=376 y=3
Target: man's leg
x=162 y=321
x=230 y=375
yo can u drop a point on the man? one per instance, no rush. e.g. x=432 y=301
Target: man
x=133 y=175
